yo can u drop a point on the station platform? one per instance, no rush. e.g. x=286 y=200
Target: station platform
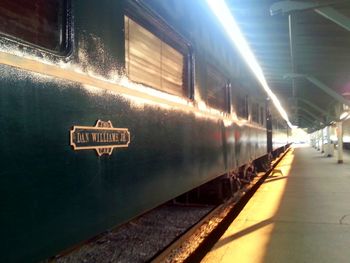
x=301 y=213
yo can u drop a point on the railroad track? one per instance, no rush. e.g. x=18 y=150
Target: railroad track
x=193 y=245
x=169 y=233
x=139 y=239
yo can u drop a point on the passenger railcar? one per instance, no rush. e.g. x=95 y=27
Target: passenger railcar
x=110 y=108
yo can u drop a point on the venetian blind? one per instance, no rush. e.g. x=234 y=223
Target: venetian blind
x=151 y=61
x=242 y=106
x=216 y=89
x=262 y=116
x=255 y=112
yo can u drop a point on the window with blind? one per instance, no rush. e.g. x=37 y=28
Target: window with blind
x=255 y=112
x=242 y=107
x=262 y=116
x=38 y=22
x=217 y=89
x=151 y=61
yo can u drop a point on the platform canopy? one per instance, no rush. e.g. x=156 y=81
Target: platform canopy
x=303 y=48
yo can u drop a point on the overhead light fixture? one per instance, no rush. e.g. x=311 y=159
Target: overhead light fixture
x=222 y=12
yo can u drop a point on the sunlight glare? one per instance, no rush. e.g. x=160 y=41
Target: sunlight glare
x=225 y=17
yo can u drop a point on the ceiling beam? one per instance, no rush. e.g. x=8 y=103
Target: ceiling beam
x=307 y=120
x=287 y=7
x=324 y=9
x=314 y=116
x=321 y=86
x=315 y=107
x=333 y=15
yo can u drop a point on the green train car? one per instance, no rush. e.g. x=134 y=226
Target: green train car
x=110 y=108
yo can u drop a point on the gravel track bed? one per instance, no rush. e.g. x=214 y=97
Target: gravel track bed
x=140 y=239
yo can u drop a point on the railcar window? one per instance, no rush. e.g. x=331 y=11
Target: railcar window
x=242 y=107
x=255 y=112
x=217 y=89
x=151 y=61
x=38 y=22
x=262 y=116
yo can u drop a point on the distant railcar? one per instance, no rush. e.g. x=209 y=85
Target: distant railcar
x=110 y=108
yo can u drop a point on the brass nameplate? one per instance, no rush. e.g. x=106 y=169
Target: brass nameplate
x=102 y=137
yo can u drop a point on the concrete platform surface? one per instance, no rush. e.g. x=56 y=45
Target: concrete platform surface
x=300 y=214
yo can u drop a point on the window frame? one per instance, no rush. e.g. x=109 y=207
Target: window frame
x=65 y=50
x=262 y=115
x=150 y=21
x=255 y=112
x=226 y=108
x=242 y=108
